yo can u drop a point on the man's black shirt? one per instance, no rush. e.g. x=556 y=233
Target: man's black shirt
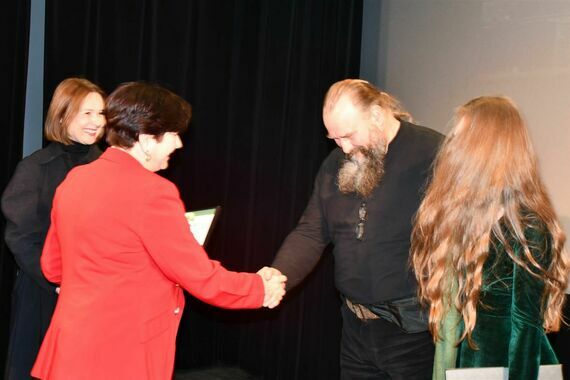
x=375 y=268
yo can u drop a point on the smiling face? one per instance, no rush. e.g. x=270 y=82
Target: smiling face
x=360 y=135
x=351 y=128
x=86 y=127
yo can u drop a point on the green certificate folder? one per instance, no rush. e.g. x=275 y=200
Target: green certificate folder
x=202 y=222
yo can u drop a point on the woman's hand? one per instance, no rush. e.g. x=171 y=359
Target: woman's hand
x=274 y=285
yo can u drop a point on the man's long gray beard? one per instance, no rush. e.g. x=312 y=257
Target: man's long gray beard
x=362 y=177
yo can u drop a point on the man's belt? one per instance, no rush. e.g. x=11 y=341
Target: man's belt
x=405 y=312
x=361 y=311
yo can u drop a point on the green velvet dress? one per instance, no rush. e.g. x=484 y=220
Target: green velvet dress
x=508 y=331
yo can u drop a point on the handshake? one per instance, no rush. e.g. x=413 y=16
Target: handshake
x=274 y=286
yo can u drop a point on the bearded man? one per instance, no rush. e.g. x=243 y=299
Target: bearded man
x=364 y=199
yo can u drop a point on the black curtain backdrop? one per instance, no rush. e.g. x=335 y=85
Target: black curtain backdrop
x=15 y=25
x=256 y=73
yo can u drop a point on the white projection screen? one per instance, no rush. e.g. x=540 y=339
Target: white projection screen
x=436 y=54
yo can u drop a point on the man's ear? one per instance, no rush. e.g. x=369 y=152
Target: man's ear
x=377 y=115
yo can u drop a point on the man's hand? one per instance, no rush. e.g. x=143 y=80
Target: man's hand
x=274 y=286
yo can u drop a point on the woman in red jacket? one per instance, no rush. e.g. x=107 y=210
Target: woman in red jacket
x=121 y=249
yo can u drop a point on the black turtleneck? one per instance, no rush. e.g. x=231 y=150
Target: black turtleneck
x=75 y=153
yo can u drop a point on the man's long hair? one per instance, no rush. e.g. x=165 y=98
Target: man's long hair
x=364 y=95
x=485 y=179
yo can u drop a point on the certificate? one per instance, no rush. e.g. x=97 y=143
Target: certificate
x=201 y=223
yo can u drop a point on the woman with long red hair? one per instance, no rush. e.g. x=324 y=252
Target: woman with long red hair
x=487 y=247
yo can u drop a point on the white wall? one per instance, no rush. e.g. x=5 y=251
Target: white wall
x=436 y=54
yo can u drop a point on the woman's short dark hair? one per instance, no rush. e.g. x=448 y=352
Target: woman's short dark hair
x=136 y=108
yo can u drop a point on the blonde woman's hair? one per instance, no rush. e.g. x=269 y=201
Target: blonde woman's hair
x=485 y=182
x=364 y=95
x=64 y=105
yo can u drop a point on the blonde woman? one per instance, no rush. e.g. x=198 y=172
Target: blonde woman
x=487 y=248
x=74 y=123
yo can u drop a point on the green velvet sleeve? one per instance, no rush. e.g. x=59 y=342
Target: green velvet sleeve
x=526 y=311
x=446 y=348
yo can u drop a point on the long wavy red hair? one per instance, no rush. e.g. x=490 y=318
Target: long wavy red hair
x=485 y=175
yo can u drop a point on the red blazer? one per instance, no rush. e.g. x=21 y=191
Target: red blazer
x=119 y=245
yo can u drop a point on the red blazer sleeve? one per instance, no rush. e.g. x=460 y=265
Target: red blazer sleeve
x=51 y=254
x=168 y=240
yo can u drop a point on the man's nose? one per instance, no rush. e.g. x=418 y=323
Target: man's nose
x=345 y=145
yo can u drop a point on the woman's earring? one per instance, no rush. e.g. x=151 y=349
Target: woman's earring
x=145 y=152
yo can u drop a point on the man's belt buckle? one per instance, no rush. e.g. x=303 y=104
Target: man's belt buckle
x=361 y=311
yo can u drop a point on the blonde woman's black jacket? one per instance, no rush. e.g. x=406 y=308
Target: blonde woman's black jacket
x=26 y=204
